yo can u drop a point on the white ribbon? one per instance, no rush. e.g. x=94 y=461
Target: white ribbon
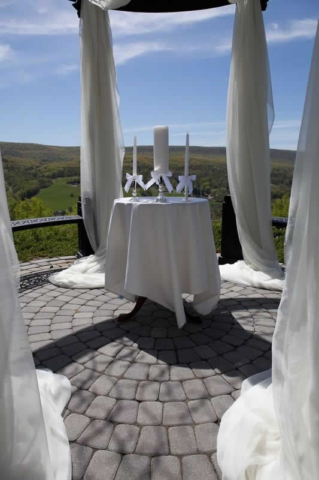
x=156 y=176
x=133 y=178
x=185 y=180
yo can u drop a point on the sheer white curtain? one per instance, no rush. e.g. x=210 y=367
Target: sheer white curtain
x=33 y=440
x=102 y=148
x=250 y=115
x=272 y=431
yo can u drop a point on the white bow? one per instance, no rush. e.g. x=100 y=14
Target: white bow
x=156 y=176
x=185 y=180
x=133 y=178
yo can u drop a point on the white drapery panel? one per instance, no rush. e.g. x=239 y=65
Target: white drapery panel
x=272 y=431
x=102 y=148
x=33 y=440
x=250 y=115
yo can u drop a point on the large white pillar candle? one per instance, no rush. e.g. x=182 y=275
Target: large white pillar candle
x=135 y=157
x=161 y=149
x=186 y=171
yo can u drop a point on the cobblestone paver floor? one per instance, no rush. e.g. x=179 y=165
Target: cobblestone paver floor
x=147 y=397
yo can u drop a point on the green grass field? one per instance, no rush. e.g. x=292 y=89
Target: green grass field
x=58 y=196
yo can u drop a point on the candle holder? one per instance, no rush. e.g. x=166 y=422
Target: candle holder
x=186 y=199
x=135 y=180
x=186 y=184
x=161 y=179
x=161 y=197
x=134 y=194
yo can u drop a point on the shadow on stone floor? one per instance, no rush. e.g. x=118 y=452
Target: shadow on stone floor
x=147 y=397
x=222 y=343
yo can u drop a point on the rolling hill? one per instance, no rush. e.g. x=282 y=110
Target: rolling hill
x=31 y=168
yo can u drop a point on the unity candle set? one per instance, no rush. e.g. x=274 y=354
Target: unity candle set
x=161 y=172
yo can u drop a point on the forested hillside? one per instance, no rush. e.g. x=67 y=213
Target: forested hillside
x=44 y=180
x=29 y=168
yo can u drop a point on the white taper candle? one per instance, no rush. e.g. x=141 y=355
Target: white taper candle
x=161 y=149
x=135 y=157
x=186 y=170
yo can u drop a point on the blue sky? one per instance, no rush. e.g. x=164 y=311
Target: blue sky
x=173 y=69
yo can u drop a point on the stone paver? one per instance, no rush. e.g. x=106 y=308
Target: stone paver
x=137 y=372
x=166 y=468
x=85 y=379
x=153 y=441
x=124 y=389
x=75 y=425
x=171 y=391
x=176 y=413
x=148 y=391
x=159 y=373
x=202 y=369
x=217 y=386
x=195 y=389
x=216 y=466
x=99 y=363
x=182 y=440
x=202 y=411
x=97 y=434
x=150 y=413
x=147 y=397
x=117 y=368
x=134 y=467
x=181 y=372
x=197 y=467
x=125 y=411
x=80 y=401
x=103 y=385
x=221 y=404
x=124 y=439
x=103 y=466
x=81 y=457
x=100 y=407
x=206 y=437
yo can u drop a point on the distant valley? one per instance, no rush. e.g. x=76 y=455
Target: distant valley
x=52 y=172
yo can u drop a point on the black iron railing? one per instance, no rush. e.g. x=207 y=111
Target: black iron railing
x=230 y=246
x=84 y=249
x=231 y=250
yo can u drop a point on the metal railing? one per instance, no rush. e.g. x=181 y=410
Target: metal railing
x=84 y=248
x=230 y=246
x=230 y=250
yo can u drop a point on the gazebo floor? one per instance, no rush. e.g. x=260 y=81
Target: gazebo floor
x=147 y=397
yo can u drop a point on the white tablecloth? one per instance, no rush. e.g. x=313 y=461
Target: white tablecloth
x=161 y=251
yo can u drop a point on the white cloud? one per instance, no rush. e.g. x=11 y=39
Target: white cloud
x=286 y=124
x=66 y=69
x=182 y=126
x=129 y=23
x=125 y=52
x=199 y=134
x=275 y=33
x=6 y=52
x=285 y=134
x=51 y=20
x=296 y=29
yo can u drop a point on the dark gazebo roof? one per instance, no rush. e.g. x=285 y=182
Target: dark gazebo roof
x=155 y=6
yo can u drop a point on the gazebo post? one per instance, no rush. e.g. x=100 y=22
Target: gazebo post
x=85 y=248
x=230 y=251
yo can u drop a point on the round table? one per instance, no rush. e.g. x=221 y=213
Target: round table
x=161 y=251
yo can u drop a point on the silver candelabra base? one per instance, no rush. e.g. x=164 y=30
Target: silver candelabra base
x=161 y=197
x=134 y=194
